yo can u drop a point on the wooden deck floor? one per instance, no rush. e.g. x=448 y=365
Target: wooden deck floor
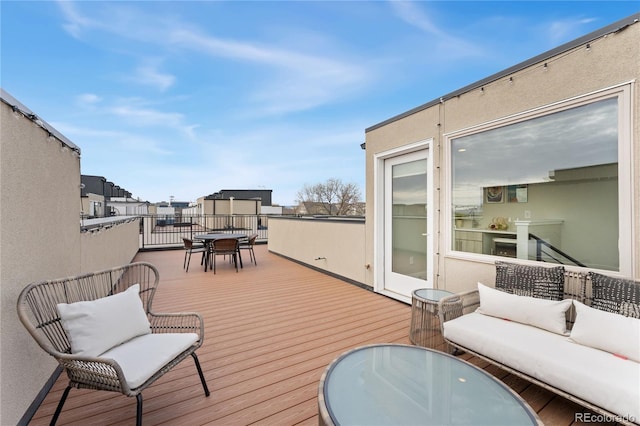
x=271 y=330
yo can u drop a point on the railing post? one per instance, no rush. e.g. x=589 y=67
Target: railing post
x=142 y=229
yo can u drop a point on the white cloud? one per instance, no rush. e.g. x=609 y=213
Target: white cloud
x=75 y=22
x=414 y=14
x=561 y=31
x=88 y=99
x=292 y=81
x=137 y=113
x=410 y=13
x=148 y=74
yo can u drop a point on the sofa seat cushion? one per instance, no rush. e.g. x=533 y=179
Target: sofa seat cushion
x=141 y=357
x=593 y=375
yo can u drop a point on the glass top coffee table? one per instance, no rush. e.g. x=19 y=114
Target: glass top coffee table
x=409 y=385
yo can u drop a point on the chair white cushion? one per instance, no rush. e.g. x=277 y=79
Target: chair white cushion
x=141 y=357
x=547 y=314
x=96 y=326
x=607 y=331
x=593 y=375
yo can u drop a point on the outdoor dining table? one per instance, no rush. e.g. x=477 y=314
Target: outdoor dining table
x=208 y=239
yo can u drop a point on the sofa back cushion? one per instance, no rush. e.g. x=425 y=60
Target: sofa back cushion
x=545 y=314
x=607 y=331
x=534 y=281
x=617 y=295
x=96 y=326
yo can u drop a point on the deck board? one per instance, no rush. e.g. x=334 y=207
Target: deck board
x=270 y=332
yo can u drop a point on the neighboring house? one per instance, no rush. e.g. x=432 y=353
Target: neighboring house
x=537 y=163
x=93 y=205
x=126 y=206
x=100 y=185
x=264 y=195
x=97 y=194
x=231 y=206
x=272 y=210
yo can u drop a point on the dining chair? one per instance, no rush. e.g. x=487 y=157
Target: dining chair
x=190 y=248
x=225 y=246
x=248 y=245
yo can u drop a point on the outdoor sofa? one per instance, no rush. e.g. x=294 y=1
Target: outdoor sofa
x=578 y=337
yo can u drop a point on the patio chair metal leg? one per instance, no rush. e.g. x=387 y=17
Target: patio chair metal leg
x=204 y=383
x=188 y=261
x=139 y=410
x=54 y=419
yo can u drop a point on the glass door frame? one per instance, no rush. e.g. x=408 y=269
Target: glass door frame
x=379 y=215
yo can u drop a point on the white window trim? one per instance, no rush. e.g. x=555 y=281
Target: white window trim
x=378 y=202
x=626 y=229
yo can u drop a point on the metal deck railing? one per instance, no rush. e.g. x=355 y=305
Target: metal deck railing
x=158 y=231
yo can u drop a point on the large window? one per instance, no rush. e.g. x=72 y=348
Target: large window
x=543 y=188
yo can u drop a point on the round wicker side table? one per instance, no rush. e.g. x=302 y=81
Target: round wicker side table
x=425 y=324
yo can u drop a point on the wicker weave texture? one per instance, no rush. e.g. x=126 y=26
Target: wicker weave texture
x=534 y=281
x=606 y=293
x=617 y=295
x=38 y=313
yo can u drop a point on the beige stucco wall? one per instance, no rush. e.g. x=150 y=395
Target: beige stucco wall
x=609 y=61
x=86 y=204
x=336 y=246
x=110 y=247
x=39 y=239
x=222 y=207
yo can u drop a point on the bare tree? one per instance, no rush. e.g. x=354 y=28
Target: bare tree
x=332 y=197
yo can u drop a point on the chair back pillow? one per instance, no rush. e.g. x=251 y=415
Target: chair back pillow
x=549 y=315
x=607 y=331
x=94 y=327
x=541 y=282
x=617 y=295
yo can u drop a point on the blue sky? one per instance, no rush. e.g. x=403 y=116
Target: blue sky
x=185 y=98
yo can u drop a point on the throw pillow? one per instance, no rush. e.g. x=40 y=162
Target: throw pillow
x=93 y=327
x=549 y=315
x=541 y=282
x=607 y=331
x=617 y=295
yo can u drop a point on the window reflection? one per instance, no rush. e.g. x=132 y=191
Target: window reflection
x=557 y=174
x=409 y=196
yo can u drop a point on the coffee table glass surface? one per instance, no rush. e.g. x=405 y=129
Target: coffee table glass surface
x=408 y=385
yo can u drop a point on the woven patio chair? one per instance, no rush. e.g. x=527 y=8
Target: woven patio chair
x=189 y=248
x=116 y=305
x=224 y=247
x=248 y=245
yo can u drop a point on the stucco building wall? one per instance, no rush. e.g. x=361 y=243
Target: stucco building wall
x=610 y=60
x=40 y=239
